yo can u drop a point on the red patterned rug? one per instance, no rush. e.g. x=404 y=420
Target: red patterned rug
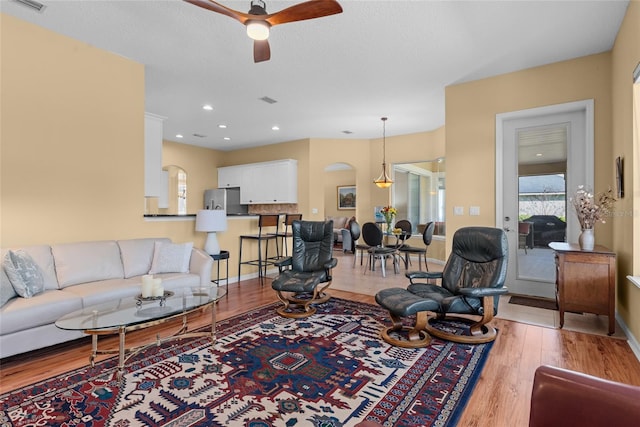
x=328 y=370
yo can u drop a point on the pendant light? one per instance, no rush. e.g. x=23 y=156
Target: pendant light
x=383 y=180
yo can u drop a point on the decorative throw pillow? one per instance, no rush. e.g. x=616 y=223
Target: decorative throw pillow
x=6 y=289
x=24 y=274
x=171 y=257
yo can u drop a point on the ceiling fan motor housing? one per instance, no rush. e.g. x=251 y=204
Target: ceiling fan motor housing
x=258 y=7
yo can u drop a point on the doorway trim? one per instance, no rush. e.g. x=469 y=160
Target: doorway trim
x=585 y=105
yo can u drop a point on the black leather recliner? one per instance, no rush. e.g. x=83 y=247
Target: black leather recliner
x=471 y=282
x=306 y=275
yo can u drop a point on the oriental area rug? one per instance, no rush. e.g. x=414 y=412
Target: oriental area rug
x=330 y=370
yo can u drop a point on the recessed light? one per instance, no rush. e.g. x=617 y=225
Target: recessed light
x=226 y=138
x=207 y=107
x=222 y=126
x=538 y=154
x=179 y=136
x=275 y=128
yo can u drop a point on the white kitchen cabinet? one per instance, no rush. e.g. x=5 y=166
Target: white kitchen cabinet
x=265 y=182
x=230 y=176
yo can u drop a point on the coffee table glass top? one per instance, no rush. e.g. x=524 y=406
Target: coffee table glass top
x=130 y=311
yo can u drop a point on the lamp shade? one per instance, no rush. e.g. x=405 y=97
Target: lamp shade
x=211 y=220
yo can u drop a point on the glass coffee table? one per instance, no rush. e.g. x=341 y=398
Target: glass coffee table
x=130 y=314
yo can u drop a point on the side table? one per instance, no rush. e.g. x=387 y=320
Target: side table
x=223 y=255
x=586 y=281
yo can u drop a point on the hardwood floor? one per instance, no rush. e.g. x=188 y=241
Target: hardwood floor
x=501 y=397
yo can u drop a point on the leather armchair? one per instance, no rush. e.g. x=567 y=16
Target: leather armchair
x=305 y=275
x=471 y=282
x=561 y=397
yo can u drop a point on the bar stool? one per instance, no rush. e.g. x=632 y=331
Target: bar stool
x=288 y=220
x=264 y=221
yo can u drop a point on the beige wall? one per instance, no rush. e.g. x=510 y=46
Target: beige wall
x=72 y=151
x=471 y=110
x=625 y=56
x=72 y=163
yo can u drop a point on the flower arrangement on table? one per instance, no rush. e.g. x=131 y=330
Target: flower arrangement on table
x=388 y=212
x=591 y=208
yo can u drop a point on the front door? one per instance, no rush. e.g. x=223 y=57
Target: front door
x=543 y=154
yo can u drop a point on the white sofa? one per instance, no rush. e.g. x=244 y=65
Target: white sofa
x=339 y=223
x=77 y=275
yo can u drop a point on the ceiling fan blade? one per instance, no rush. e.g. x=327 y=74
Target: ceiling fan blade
x=261 y=50
x=307 y=10
x=216 y=7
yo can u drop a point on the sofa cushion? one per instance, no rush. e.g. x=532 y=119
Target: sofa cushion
x=45 y=308
x=109 y=290
x=137 y=255
x=171 y=258
x=6 y=289
x=176 y=282
x=87 y=262
x=105 y=290
x=24 y=274
x=338 y=221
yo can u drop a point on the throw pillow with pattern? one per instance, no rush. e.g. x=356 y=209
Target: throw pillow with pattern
x=24 y=274
x=6 y=289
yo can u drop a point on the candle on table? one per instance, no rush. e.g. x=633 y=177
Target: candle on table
x=147 y=286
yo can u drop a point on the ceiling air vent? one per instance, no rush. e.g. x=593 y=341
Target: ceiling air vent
x=268 y=100
x=347 y=132
x=32 y=4
x=199 y=135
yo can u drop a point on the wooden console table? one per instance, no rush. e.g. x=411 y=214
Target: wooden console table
x=586 y=281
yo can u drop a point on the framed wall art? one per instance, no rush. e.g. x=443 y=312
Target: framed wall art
x=346 y=197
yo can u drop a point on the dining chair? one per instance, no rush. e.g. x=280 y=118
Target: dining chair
x=406 y=227
x=373 y=237
x=407 y=250
x=355 y=232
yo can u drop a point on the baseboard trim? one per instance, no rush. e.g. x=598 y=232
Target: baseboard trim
x=631 y=339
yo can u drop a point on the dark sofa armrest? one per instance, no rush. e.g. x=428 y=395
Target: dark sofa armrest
x=566 y=398
x=412 y=275
x=331 y=263
x=482 y=292
x=282 y=263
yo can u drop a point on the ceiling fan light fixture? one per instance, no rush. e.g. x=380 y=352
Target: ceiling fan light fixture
x=258 y=30
x=383 y=181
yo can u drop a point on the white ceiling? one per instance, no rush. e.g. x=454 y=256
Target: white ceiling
x=329 y=75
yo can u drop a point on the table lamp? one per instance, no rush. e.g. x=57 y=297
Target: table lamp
x=210 y=221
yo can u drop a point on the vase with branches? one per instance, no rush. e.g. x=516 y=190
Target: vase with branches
x=590 y=209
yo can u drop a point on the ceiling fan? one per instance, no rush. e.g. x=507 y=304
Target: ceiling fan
x=258 y=21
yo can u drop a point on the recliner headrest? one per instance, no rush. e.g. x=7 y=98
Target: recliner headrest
x=480 y=244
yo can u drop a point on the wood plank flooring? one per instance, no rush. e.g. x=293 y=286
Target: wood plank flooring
x=501 y=397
